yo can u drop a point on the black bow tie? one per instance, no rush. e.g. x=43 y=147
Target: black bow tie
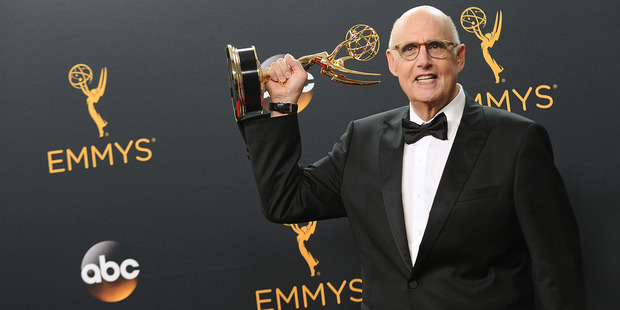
x=438 y=128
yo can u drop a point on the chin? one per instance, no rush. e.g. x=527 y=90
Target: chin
x=425 y=97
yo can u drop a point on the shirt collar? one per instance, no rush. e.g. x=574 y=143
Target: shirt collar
x=453 y=112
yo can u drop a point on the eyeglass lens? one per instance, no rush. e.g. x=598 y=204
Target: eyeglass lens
x=435 y=49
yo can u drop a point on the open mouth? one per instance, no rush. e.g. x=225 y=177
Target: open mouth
x=426 y=77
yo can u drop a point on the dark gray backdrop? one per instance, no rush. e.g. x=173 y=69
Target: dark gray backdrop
x=189 y=215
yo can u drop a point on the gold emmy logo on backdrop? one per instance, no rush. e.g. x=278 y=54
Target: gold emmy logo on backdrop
x=246 y=77
x=80 y=76
x=303 y=235
x=66 y=159
x=472 y=20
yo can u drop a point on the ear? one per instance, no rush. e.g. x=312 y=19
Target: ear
x=389 y=53
x=460 y=57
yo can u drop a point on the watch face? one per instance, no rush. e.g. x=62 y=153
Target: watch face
x=283 y=107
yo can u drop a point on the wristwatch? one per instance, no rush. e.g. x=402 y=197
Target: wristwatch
x=283 y=107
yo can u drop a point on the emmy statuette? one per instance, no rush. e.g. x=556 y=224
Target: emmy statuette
x=247 y=82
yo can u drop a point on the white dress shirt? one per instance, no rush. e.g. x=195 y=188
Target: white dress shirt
x=423 y=165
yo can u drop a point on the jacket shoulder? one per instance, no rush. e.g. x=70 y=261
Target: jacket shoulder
x=382 y=117
x=496 y=116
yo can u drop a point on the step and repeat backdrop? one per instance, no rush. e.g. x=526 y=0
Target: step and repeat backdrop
x=124 y=181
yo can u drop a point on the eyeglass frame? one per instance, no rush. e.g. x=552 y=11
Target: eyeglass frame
x=448 y=43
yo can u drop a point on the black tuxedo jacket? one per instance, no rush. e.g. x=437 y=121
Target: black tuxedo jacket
x=501 y=228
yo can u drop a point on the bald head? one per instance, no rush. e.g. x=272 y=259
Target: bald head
x=444 y=20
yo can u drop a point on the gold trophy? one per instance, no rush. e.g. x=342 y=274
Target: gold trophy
x=247 y=81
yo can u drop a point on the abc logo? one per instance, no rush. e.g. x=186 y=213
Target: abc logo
x=108 y=272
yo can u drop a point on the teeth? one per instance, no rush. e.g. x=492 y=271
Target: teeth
x=425 y=77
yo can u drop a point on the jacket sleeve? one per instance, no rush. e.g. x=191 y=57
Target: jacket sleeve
x=288 y=192
x=548 y=224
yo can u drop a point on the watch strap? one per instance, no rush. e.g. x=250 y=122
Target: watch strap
x=283 y=107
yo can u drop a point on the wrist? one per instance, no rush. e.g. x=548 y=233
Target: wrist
x=282 y=108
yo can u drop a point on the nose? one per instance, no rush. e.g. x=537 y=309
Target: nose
x=424 y=59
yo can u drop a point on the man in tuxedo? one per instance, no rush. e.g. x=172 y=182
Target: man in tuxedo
x=452 y=205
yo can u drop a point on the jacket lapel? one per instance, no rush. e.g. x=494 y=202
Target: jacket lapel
x=390 y=167
x=470 y=138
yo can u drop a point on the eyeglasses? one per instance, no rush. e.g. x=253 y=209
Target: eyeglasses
x=436 y=49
